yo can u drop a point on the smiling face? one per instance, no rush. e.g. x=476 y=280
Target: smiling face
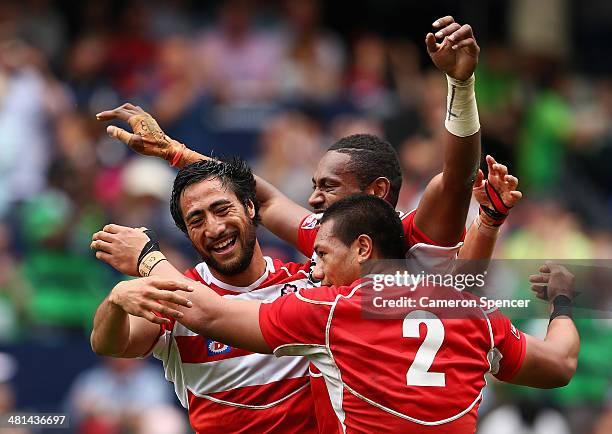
x=219 y=226
x=332 y=181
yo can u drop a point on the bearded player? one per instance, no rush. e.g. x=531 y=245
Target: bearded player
x=224 y=388
x=418 y=370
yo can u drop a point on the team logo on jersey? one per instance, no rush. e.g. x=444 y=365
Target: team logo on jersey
x=515 y=331
x=288 y=289
x=311 y=221
x=215 y=348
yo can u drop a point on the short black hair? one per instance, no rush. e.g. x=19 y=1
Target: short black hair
x=234 y=173
x=370 y=215
x=371 y=158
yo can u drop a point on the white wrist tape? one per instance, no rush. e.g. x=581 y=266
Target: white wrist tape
x=461 y=109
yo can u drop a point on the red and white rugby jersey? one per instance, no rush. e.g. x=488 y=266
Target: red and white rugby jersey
x=230 y=390
x=423 y=252
x=422 y=373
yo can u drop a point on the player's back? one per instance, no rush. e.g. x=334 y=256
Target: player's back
x=420 y=372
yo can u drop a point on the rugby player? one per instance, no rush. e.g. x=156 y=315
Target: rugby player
x=422 y=371
x=225 y=389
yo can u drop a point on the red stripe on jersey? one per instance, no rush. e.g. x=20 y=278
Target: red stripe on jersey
x=207 y=416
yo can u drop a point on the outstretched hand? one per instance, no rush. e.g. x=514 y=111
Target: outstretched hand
x=148 y=138
x=457 y=52
x=553 y=280
x=505 y=184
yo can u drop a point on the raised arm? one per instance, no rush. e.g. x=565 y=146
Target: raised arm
x=279 y=214
x=443 y=208
x=495 y=195
x=552 y=362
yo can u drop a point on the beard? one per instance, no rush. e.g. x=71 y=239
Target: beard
x=241 y=263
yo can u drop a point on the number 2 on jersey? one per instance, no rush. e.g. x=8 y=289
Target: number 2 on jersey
x=418 y=373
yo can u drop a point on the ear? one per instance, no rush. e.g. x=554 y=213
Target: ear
x=250 y=209
x=364 y=247
x=380 y=187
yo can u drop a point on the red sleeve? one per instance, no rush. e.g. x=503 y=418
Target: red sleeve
x=511 y=344
x=293 y=320
x=415 y=236
x=307 y=232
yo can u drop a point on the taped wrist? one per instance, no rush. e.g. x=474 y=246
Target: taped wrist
x=562 y=306
x=499 y=210
x=461 y=109
x=149 y=262
x=151 y=246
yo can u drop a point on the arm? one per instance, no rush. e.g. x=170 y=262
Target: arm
x=124 y=325
x=482 y=234
x=278 y=213
x=443 y=208
x=551 y=362
x=235 y=322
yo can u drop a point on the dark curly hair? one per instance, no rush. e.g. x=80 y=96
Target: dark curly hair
x=234 y=173
x=371 y=158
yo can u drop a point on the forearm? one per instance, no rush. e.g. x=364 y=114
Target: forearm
x=189 y=157
x=111 y=330
x=551 y=362
x=563 y=338
x=234 y=322
x=479 y=243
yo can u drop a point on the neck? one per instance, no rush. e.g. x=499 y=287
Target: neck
x=254 y=271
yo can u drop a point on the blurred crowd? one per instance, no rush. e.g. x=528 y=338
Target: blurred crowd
x=277 y=82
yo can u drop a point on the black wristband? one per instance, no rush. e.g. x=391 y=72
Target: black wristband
x=562 y=306
x=151 y=246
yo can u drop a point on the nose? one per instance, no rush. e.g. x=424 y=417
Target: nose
x=316 y=199
x=318 y=273
x=214 y=228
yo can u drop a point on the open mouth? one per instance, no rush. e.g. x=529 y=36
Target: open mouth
x=225 y=245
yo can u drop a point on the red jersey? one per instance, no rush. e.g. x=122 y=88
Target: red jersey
x=422 y=252
x=423 y=373
x=228 y=389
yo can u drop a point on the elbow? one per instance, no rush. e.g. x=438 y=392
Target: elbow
x=569 y=369
x=565 y=373
x=99 y=348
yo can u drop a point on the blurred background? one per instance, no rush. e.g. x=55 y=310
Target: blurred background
x=277 y=82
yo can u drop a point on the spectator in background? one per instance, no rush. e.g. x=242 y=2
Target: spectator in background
x=313 y=57
x=23 y=117
x=239 y=63
x=120 y=396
